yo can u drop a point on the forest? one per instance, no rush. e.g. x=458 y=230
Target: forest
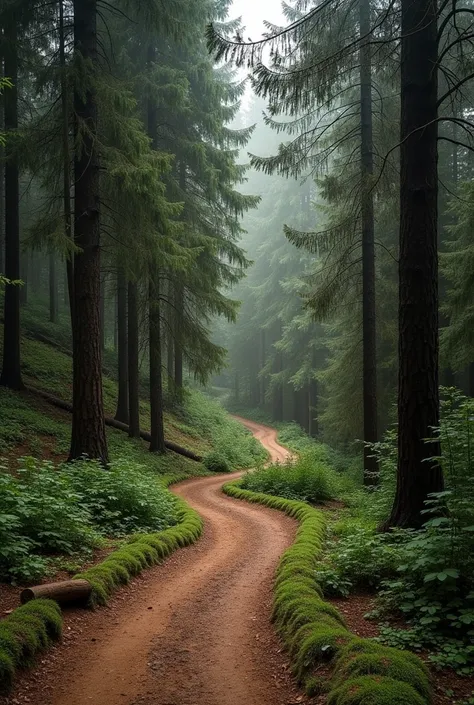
x=237 y=369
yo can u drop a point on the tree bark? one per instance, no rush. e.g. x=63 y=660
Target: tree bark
x=88 y=426
x=133 y=363
x=418 y=396
x=178 y=347
x=2 y=181
x=53 y=289
x=66 y=162
x=262 y=365
x=102 y=313
x=369 y=345
x=278 y=392
x=471 y=379
x=11 y=370
x=66 y=592
x=122 y=402
x=157 y=429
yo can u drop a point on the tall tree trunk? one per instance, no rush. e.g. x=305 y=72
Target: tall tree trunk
x=133 y=363
x=418 y=397
x=2 y=180
x=102 y=313
x=66 y=161
x=178 y=347
x=471 y=379
x=278 y=393
x=237 y=387
x=157 y=430
x=122 y=402
x=11 y=371
x=88 y=426
x=170 y=358
x=369 y=372
x=53 y=289
x=170 y=336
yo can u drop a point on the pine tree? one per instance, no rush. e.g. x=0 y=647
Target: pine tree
x=11 y=369
x=418 y=401
x=88 y=424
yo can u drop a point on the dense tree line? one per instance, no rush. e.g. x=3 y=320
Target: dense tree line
x=381 y=142
x=120 y=170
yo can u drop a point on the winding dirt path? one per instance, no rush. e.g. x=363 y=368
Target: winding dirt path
x=193 y=631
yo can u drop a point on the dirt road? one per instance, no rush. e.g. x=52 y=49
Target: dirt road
x=193 y=631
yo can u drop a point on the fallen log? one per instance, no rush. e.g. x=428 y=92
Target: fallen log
x=66 y=592
x=113 y=423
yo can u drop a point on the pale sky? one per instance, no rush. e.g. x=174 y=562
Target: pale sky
x=253 y=13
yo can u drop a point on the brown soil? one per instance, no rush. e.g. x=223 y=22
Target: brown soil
x=195 y=630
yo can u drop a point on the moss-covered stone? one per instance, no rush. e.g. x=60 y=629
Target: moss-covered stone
x=24 y=633
x=375 y=690
x=384 y=661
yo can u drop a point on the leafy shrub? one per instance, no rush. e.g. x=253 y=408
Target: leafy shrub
x=215 y=462
x=435 y=584
x=39 y=513
x=359 y=558
x=44 y=510
x=122 y=499
x=305 y=479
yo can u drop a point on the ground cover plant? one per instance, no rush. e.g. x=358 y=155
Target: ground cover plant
x=304 y=478
x=229 y=439
x=47 y=509
x=423 y=577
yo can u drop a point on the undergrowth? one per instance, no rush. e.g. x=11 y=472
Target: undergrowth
x=306 y=478
x=46 y=509
x=425 y=577
x=228 y=438
x=32 y=627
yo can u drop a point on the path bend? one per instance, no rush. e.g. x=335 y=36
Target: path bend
x=193 y=631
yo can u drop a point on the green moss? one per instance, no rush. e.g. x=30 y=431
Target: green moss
x=375 y=690
x=384 y=661
x=142 y=551
x=314 y=686
x=318 y=646
x=295 y=638
x=24 y=633
x=7 y=669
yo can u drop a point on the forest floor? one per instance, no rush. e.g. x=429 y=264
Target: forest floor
x=193 y=630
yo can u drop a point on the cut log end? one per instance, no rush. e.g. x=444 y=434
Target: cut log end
x=65 y=592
